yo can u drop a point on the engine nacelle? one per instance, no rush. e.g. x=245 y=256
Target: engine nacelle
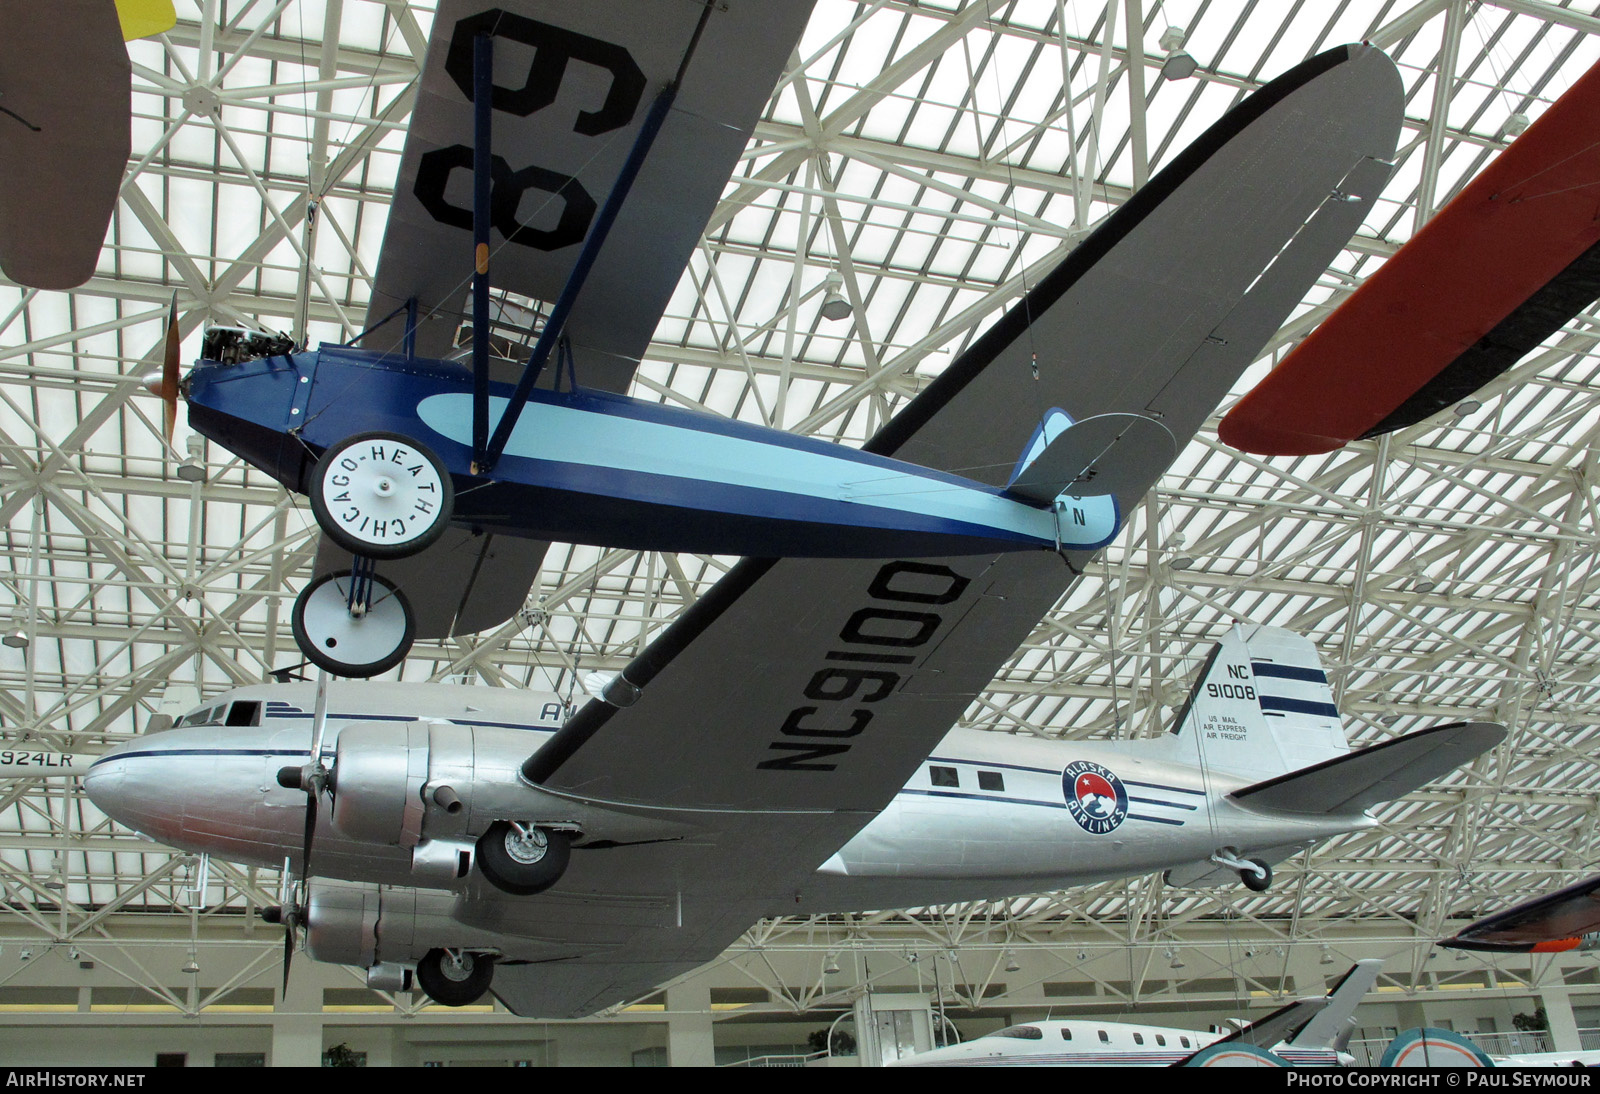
x=342 y=923
x=379 y=771
x=434 y=787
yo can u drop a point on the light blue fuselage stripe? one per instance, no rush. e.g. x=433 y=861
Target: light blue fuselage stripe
x=634 y=445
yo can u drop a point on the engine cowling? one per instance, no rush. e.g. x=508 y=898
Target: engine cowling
x=379 y=771
x=342 y=923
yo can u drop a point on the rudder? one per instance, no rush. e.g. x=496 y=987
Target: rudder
x=1261 y=707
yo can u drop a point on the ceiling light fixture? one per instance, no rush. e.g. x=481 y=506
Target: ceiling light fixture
x=192 y=468
x=834 y=305
x=1178 y=65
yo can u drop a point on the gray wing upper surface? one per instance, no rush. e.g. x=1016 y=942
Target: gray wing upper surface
x=788 y=706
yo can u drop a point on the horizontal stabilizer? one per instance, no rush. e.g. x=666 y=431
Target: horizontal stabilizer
x=1360 y=780
x=1549 y=923
x=1106 y=454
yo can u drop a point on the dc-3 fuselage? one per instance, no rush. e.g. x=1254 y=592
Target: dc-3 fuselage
x=983 y=806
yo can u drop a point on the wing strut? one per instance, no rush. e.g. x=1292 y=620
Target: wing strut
x=585 y=261
x=482 y=109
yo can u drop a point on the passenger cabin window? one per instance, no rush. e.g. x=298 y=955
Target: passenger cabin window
x=1021 y=1033
x=1160 y=1040
x=944 y=776
x=1184 y=1041
x=1066 y=1034
x=1138 y=1038
x=1105 y=1038
x=991 y=780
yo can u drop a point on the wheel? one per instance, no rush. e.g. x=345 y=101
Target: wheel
x=523 y=860
x=455 y=978
x=349 y=644
x=1257 y=883
x=381 y=495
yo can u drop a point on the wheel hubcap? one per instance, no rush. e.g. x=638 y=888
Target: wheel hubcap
x=457 y=967
x=527 y=845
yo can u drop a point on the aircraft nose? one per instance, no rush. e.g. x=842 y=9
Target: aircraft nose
x=126 y=784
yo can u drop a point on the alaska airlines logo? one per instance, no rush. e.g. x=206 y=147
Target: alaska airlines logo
x=1096 y=798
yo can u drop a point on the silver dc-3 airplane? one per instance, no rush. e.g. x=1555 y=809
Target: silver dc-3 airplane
x=452 y=845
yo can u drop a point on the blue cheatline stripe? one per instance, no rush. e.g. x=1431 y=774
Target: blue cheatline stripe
x=983 y=798
x=293 y=712
x=1163 y=786
x=164 y=752
x=1298 y=706
x=1164 y=805
x=1024 y=801
x=1289 y=672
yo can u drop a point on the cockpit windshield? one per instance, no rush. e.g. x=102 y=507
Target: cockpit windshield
x=240 y=712
x=1022 y=1033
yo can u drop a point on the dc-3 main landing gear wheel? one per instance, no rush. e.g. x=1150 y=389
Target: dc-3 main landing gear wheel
x=523 y=859
x=455 y=978
x=381 y=495
x=353 y=623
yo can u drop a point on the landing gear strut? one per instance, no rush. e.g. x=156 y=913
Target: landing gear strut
x=1254 y=873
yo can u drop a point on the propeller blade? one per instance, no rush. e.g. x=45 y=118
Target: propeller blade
x=288 y=952
x=313 y=792
x=169 y=372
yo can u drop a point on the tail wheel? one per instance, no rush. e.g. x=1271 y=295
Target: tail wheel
x=1259 y=879
x=381 y=495
x=352 y=629
x=455 y=978
x=523 y=859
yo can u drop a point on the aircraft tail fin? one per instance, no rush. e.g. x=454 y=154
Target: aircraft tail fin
x=1261 y=707
x=1331 y=1026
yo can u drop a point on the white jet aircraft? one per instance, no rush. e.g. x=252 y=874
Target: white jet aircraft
x=1306 y=1033
x=436 y=840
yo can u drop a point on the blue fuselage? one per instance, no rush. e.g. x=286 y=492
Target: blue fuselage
x=592 y=467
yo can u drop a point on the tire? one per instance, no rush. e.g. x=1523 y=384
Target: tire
x=455 y=981
x=381 y=495
x=333 y=639
x=1256 y=883
x=521 y=866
